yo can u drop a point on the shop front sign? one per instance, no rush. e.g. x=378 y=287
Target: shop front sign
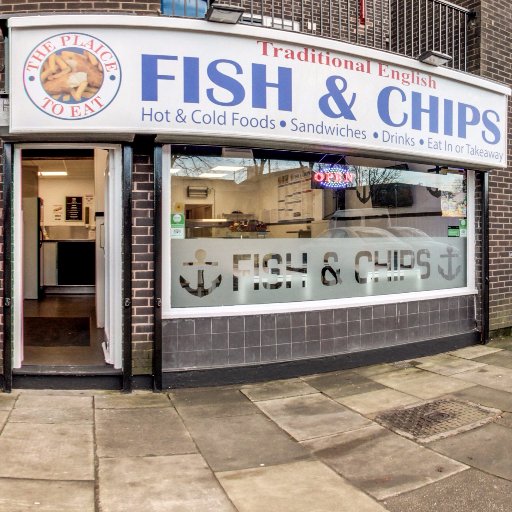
x=189 y=77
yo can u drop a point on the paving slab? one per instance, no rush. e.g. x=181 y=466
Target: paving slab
x=160 y=484
x=46 y=451
x=380 y=462
x=470 y=490
x=490 y=376
x=344 y=383
x=306 y=417
x=420 y=383
x=375 y=401
x=504 y=343
x=3 y=418
x=505 y=419
x=52 y=415
x=485 y=396
x=375 y=369
x=446 y=364
x=502 y=358
x=301 y=486
x=7 y=401
x=141 y=432
x=277 y=389
x=474 y=351
x=132 y=400
x=241 y=442
x=212 y=402
x=19 y=495
x=486 y=448
x=32 y=401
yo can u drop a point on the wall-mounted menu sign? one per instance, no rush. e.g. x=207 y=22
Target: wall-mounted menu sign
x=74 y=208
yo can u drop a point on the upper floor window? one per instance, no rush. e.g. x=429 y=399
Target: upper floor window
x=185 y=8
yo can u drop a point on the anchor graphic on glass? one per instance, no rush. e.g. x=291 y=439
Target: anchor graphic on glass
x=450 y=276
x=201 y=265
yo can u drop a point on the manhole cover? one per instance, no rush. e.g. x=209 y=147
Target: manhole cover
x=435 y=419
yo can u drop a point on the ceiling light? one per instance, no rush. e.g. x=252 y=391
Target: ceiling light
x=211 y=175
x=52 y=173
x=227 y=168
x=435 y=58
x=222 y=13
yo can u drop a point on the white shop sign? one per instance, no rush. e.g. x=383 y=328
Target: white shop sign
x=238 y=272
x=170 y=76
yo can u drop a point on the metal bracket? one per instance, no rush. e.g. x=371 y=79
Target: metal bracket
x=127 y=303
x=158 y=302
x=7 y=302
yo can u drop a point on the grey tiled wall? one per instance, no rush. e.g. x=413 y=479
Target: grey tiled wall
x=254 y=339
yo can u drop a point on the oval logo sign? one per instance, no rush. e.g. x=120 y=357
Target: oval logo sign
x=72 y=76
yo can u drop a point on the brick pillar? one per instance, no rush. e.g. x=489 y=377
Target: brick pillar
x=142 y=265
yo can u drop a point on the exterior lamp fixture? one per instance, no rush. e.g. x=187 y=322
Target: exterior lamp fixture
x=222 y=13
x=435 y=58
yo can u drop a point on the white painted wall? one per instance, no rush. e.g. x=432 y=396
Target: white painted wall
x=53 y=191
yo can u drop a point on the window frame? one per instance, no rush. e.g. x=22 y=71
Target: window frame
x=168 y=312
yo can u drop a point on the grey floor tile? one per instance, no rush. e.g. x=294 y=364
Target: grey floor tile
x=486 y=448
x=375 y=401
x=474 y=351
x=490 y=376
x=240 y=442
x=489 y=397
x=72 y=415
x=277 y=389
x=54 y=452
x=19 y=495
x=135 y=399
x=468 y=491
x=33 y=401
x=160 y=484
x=212 y=402
x=309 y=416
x=141 y=432
x=502 y=358
x=505 y=420
x=421 y=383
x=380 y=462
x=3 y=418
x=300 y=486
x=7 y=401
x=446 y=364
x=343 y=383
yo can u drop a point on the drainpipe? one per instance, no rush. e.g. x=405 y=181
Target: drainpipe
x=484 y=338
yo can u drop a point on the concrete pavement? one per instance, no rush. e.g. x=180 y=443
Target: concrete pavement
x=309 y=444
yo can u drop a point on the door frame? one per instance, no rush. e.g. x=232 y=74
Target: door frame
x=120 y=160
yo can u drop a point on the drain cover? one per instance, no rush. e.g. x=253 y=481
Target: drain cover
x=436 y=419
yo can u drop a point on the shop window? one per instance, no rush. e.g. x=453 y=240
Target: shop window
x=185 y=8
x=256 y=227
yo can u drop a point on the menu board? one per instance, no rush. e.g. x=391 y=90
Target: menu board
x=295 y=198
x=74 y=208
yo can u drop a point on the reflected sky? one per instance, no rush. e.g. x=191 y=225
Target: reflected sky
x=187 y=8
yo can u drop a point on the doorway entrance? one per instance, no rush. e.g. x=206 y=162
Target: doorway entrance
x=66 y=265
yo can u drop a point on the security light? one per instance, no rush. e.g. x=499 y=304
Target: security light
x=435 y=58
x=223 y=13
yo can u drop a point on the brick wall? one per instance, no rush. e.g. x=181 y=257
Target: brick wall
x=142 y=265
x=126 y=6
x=491 y=58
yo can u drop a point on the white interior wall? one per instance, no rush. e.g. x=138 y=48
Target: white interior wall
x=53 y=191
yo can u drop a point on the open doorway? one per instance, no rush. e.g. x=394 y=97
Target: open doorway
x=67 y=258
